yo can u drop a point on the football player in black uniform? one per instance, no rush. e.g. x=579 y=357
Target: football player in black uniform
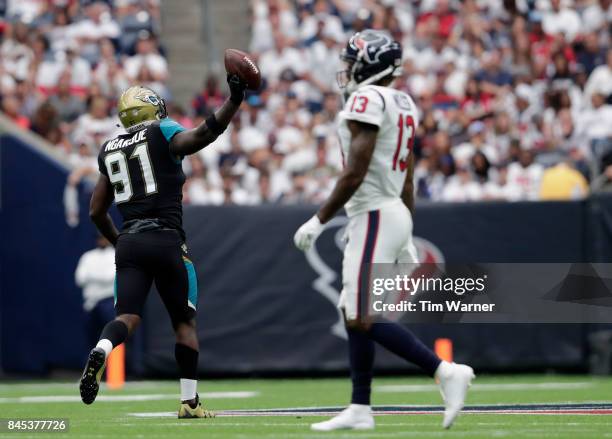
x=141 y=171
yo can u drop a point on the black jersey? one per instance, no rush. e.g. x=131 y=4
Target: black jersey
x=147 y=178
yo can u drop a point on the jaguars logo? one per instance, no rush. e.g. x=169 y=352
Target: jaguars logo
x=148 y=99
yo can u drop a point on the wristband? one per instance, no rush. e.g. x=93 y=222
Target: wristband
x=213 y=125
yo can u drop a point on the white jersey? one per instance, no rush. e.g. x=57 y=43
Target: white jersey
x=395 y=114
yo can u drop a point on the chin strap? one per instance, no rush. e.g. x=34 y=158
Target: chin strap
x=139 y=126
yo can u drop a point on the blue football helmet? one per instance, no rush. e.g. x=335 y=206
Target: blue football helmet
x=370 y=56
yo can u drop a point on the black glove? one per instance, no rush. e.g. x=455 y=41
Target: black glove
x=237 y=87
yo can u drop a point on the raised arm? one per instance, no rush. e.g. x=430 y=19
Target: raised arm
x=363 y=141
x=101 y=201
x=191 y=141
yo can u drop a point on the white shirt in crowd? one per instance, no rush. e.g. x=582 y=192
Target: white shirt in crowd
x=594 y=17
x=310 y=24
x=464 y=152
x=262 y=29
x=459 y=189
x=26 y=9
x=88 y=29
x=272 y=63
x=600 y=81
x=154 y=62
x=88 y=126
x=324 y=63
x=200 y=191
x=566 y=22
x=49 y=71
x=95 y=274
x=523 y=183
x=595 y=123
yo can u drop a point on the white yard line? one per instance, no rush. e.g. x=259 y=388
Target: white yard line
x=126 y=398
x=71 y=385
x=207 y=423
x=401 y=388
x=154 y=414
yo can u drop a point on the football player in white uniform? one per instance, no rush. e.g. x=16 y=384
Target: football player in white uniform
x=377 y=129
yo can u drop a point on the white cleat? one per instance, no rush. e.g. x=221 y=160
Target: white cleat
x=455 y=379
x=354 y=417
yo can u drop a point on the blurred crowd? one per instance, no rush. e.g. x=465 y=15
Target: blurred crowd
x=64 y=62
x=514 y=95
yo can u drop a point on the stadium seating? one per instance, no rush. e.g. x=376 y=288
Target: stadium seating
x=506 y=90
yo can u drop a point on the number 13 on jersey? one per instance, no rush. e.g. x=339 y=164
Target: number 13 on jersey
x=405 y=142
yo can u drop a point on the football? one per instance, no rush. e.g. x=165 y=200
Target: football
x=239 y=63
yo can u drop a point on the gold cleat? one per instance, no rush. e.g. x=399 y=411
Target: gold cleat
x=186 y=412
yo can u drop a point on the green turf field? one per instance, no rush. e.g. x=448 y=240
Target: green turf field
x=114 y=414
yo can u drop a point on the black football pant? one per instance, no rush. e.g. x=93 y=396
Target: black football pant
x=158 y=256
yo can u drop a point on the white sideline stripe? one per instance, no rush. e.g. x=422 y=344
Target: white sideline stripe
x=400 y=388
x=75 y=384
x=126 y=398
x=154 y=414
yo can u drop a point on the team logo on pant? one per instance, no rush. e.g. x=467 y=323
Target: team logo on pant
x=328 y=277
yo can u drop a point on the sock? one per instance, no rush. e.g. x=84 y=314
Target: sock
x=106 y=345
x=403 y=343
x=361 y=358
x=189 y=389
x=361 y=409
x=187 y=361
x=444 y=370
x=114 y=333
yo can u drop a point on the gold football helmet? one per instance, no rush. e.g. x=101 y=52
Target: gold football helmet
x=138 y=107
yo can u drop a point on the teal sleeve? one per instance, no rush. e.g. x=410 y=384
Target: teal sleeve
x=170 y=128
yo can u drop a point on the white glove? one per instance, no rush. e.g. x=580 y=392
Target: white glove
x=308 y=233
